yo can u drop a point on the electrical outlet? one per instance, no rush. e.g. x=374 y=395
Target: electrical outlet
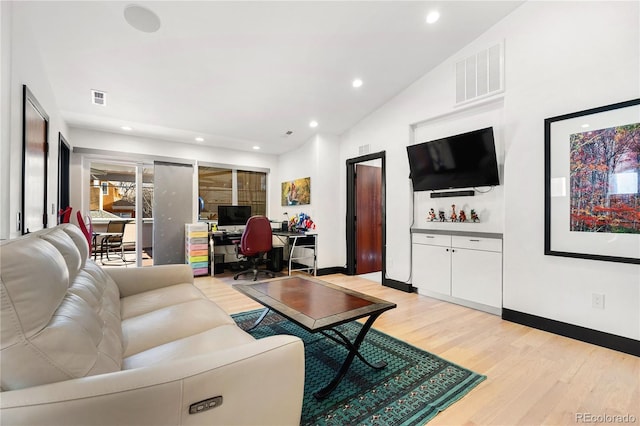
x=597 y=300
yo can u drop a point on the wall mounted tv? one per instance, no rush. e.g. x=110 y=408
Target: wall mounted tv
x=461 y=161
x=233 y=215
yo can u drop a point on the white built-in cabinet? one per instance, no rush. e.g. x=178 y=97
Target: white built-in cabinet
x=464 y=268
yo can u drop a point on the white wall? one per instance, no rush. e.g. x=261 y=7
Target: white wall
x=5 y=117
x=561 y=57
x=21 y=61
x=488 y=202
x=590 y=58
x=317 y=159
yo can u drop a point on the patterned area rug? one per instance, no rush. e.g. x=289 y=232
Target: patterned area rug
x=413 y=388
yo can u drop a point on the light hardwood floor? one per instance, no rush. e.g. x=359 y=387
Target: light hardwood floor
x=533 y=377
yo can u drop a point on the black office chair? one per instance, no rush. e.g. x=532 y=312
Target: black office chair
x=253 y=245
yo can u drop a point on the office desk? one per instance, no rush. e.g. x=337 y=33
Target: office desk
x=303 y=241
x=221 y=244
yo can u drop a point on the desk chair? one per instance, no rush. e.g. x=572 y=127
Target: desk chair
x=254 y=244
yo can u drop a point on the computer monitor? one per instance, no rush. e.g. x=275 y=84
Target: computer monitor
x=233 y=215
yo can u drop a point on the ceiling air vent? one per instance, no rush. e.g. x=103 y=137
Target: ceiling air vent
x=480 y=75
x=98 y=98
x=364 y=149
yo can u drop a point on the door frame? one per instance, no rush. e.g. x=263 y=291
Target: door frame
x=138 y=167
x=351 y=211
x=351 y=223
x=64 y=169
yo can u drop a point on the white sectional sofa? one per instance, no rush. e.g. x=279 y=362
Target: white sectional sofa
x=82 y=345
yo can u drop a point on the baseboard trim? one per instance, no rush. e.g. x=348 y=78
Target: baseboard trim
x=332 y=270
x=398 y=285
x=588 y=335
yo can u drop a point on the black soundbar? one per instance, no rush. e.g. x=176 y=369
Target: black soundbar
x=469 y=193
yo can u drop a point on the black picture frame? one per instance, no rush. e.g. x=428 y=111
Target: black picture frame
x=35 y=159
x=572 y=228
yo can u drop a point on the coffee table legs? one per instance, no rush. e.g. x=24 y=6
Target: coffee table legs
x=259 y=320
x=353 y=352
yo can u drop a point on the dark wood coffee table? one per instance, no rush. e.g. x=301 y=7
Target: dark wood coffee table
x=319 y=307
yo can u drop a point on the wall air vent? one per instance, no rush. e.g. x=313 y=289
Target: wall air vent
x=98 y=98
x=364 y=149
x=480 y=75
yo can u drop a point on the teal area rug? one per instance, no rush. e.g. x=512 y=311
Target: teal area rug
x=413 y=388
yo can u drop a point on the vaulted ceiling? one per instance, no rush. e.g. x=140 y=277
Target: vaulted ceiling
x=241 y=74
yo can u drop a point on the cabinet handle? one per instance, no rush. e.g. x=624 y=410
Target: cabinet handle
x=475 y=241
x=447 y=249
x=429 y=236
x=453 y=251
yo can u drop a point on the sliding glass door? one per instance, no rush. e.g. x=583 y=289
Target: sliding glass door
x=121 y=192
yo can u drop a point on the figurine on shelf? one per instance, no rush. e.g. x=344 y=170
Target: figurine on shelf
x=454 y=216
x=462 y=216
x=441 y=216
x=474 y=216
x=432 y=215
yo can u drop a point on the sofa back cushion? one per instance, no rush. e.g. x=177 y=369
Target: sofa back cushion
x=67 y=248
x=79 y=239
x=55 y=328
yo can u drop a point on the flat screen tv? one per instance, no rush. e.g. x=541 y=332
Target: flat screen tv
x=233 y=215
x=462 y=161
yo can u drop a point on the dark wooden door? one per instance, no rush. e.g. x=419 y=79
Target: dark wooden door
x=368 y=219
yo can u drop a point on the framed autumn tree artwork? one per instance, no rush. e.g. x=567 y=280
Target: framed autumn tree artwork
x=592 y=183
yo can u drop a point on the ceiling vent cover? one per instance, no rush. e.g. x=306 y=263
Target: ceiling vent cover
x=364 y=149
x=98 y=97
x=480 y=75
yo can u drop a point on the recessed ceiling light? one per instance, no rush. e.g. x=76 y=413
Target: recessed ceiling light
x=584 y=126
x=433 y=16
x=141 y=18
x=199 y=139
x=356 y=83
x=127 y=128
x=256 y=147
x=313 y=123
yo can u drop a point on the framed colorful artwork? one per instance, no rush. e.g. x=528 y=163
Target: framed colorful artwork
x=296 y=192
x=592 y=183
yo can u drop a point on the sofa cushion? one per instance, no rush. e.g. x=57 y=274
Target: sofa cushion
x=207 y=342
x=67 y=248
x=152 y=300
x=34 y=282
x=171 y=323
x=79 y=239
x=51 y=330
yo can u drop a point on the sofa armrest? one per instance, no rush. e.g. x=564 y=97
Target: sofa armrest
x=261 y=383
x=132 y=281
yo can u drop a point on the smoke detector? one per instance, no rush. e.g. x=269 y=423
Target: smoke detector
x=98 y=97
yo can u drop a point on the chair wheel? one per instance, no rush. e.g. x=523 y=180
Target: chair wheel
x=235 y=277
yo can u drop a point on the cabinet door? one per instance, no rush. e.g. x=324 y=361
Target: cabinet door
x=431 y=268
x=476 y=276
